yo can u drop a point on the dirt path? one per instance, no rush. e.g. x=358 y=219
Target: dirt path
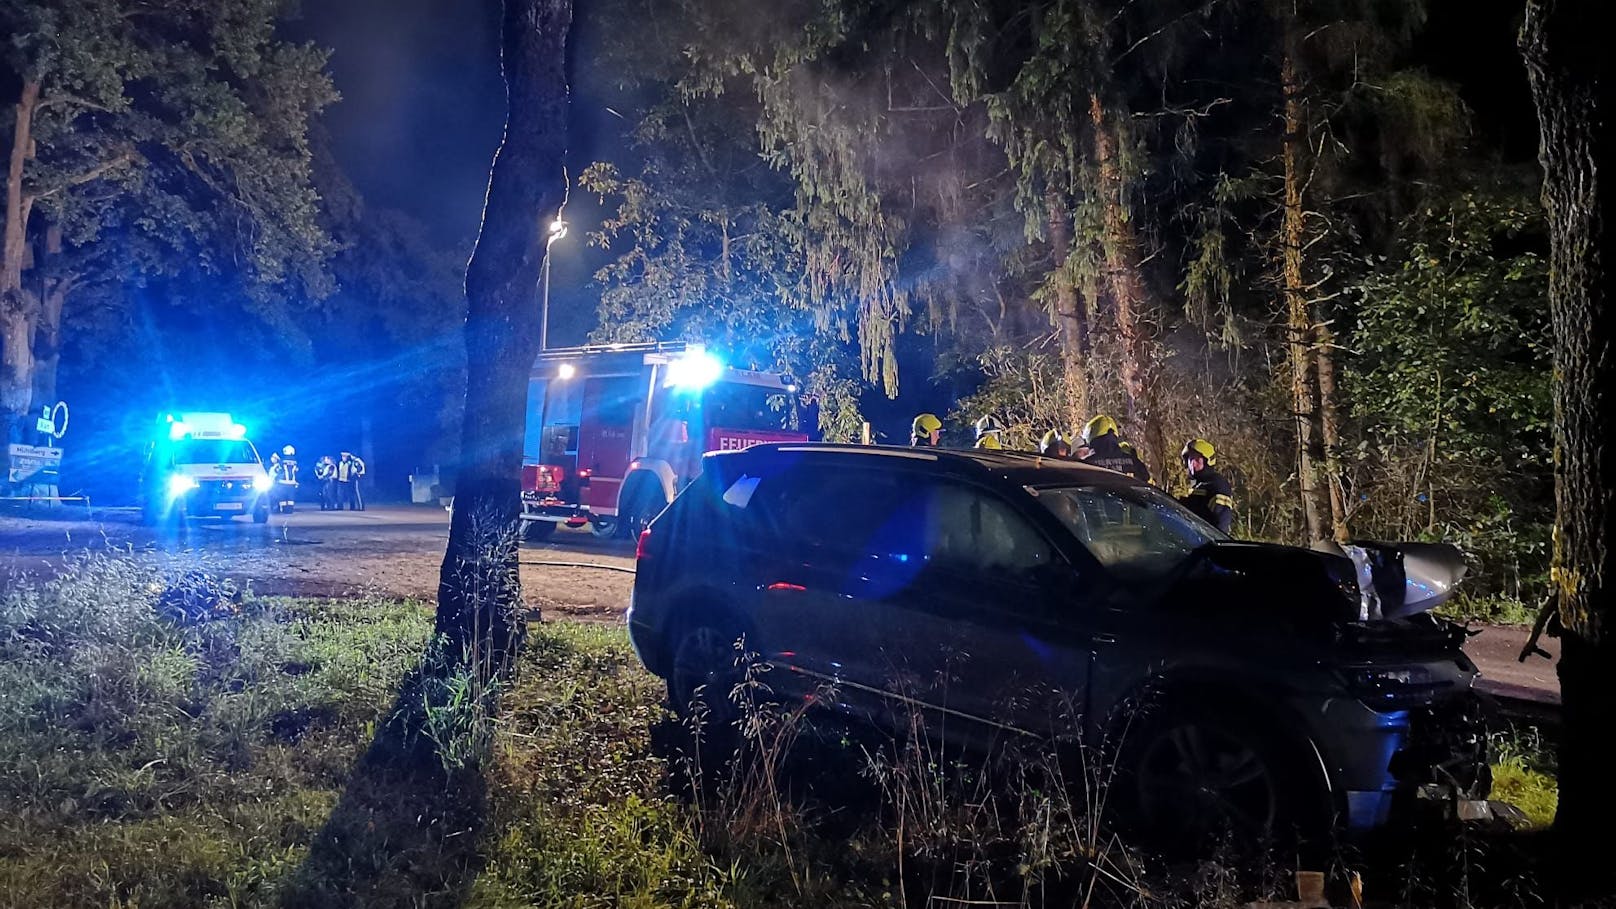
x=397 y=551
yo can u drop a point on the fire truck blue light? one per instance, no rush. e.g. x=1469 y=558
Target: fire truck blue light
x=695 y=371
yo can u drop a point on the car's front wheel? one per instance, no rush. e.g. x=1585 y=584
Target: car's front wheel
x=538 y=531
x=705 y=672
x=1198 y=782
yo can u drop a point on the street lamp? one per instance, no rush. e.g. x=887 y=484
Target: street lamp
x=557 y=229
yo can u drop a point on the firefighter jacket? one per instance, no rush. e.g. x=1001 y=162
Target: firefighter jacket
x=1107 y=451
x=1212 y=498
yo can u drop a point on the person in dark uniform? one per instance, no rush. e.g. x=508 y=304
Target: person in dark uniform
x=1103 y=440
x=1210 y=495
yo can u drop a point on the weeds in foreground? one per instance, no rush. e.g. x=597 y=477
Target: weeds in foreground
x=149 y=761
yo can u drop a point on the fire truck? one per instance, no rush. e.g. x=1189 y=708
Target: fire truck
x=615 y=431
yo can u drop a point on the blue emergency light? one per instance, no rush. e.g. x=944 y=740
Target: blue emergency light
x=204 y=425
x=694 y=371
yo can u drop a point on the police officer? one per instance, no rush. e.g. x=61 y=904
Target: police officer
x=349 y=471
x=1210 y=495
x=988 y=430
x=325 y=470
x=926 y=431
x=1054 y=445
x=1103 y=440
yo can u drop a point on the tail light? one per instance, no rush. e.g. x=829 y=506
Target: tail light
x=548 y=477
x=643 y=545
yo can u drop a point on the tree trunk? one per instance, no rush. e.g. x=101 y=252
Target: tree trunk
x=1070 y=318
x=479 y=590
x=1298 y=311
x=1330 y=431
x=1127 y=289
x=48 y=330
x=16 y=308
x=1566 y=61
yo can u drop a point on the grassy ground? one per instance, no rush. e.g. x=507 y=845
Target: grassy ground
x=241 y=756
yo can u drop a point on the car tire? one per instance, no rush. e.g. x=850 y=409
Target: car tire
x=704 y=672
x=261 y=514
x=538 y=531
x=1196 y=781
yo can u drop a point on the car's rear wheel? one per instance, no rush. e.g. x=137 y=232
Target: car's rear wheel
x=260 y=514
x=705 y=673
x=538 y=531
x=1199 y=782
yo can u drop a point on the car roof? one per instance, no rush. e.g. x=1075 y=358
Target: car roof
x=1015 y=467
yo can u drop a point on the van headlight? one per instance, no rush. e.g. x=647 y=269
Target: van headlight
x=179 y=485
x=262 y=483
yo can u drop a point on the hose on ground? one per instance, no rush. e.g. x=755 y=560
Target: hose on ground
x=582 y=565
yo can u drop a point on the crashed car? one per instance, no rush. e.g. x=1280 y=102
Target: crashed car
x=1238 y=685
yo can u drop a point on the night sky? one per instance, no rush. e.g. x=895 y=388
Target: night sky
x=421 y=117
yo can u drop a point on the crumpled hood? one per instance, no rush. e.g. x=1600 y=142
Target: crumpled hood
x=1396 y=580
x=1361 y=581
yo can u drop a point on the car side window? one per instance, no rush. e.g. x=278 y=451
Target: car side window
x=972 y=530
x=847 y=510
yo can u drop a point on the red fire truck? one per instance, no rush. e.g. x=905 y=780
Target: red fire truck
x=613 y=432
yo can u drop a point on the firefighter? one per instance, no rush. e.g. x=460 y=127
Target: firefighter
x=1054 y=445
x=285 y=478
x=325 y=470
x=1102 y=439
x=1210 y=495
x=350 y=469
x=926 y=432
x=988 y=430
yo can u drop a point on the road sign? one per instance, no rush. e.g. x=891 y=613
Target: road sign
x=33 y=463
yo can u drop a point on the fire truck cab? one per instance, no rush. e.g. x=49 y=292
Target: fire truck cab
x=614 y=432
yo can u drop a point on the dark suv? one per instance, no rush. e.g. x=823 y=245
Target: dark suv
x=1000 y=594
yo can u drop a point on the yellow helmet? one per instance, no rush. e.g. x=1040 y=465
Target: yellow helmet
x=1199 y=448
x=926 y=424
x=1097 y=427
x=1051 y=441
x=990 y=441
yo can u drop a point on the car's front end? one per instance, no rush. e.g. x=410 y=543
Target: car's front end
x=1399 y=727
x=221 y=490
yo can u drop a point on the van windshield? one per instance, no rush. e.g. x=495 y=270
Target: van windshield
x=1137 y=532
x=215 y=451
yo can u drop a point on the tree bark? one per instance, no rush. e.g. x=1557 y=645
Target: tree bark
x=1127 y=289
x=1070 y=318
x=479 y=591
x=55 y=287
x=1566 y=56
x=1298 y=312
x=1330 y=431
x=16 y=308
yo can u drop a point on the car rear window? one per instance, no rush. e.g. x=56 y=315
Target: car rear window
x=894 y=515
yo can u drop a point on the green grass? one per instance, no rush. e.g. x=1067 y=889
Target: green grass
x=1493 y=610
x=233 y=762
x=147 y=763
x=1523 y=774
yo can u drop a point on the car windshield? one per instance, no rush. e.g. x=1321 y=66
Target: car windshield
x=1137 y=532
x=215 y=451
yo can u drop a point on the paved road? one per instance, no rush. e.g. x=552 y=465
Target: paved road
x=398 y=550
